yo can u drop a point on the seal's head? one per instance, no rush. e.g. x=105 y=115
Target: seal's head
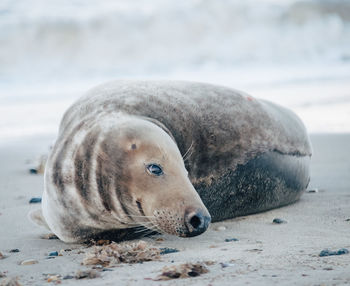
x=153 y=184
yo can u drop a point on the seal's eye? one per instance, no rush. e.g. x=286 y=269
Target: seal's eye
x=154 y=169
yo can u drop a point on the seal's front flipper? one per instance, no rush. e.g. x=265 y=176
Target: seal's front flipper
x=36 y=216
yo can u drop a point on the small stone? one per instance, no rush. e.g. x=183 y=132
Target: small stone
x=2 y=256
x=231 y=239
x=254 y=250
x=348 y=219
x=33 y=171
x=29 y=262
x=327 y=252
x=221 y=228
x=14 y=250
x=49 y=236
x=166 y=250
x=53 y=278
x=328 y=268
x=186 y=270
x=86 y=274
x=159 y=239
x=315 y=190
x=54 y=253
x=35 y=200
x=68 y=277
x=279 y=221
x=342 y=251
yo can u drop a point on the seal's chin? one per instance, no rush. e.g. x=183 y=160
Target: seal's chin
x=196 y=223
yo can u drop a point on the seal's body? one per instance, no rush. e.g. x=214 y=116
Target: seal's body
x=134 y=153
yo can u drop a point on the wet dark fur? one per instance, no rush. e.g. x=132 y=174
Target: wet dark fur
x=268 y=181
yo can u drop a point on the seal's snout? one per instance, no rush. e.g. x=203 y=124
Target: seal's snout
x=196 y=222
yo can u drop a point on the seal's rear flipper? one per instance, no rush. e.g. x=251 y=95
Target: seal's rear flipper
x=36 y=216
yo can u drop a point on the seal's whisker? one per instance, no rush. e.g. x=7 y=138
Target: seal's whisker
x=146 y=233
x=150 y=225
x=141 y=230
x=188 y=155
x=156 y=227
x=188 y=150
x=143 y=216
x=146 y=230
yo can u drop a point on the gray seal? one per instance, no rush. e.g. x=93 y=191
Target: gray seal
x=162 y=155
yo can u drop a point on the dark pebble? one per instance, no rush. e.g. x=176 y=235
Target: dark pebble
x=14 y=250
x=193 y=274
x=107 y=269
x=33 y=171
x=54 y=253
x=279 y=221
x=231 y=239
x=35 y=200
x=167 y=250
x=327 y=252
x=51 y=257
x=312 y=190
x=68 y=277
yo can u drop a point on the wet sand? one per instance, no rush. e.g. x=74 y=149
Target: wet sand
x=265 y=253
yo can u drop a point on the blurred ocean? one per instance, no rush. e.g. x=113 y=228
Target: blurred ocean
x=296 y=53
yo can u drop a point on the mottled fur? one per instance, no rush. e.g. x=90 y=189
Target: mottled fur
x=90 y=174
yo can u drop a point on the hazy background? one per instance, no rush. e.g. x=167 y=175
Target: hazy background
x=296 y=53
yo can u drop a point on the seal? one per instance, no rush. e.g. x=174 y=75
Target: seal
x=137 y=156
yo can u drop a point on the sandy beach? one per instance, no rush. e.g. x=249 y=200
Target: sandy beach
x=265 y=253
x=292 y=52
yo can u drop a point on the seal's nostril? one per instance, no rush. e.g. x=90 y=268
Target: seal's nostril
x=195 y=221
